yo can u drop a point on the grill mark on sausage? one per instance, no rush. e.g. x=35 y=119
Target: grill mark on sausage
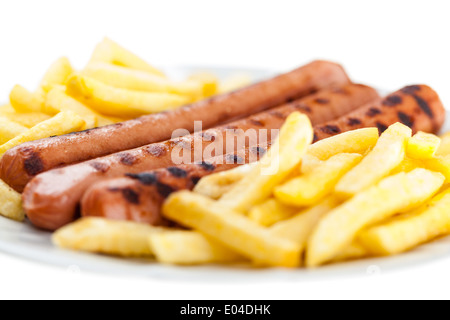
x=234 y=159
x=147 y=179
x=322 y=101
x=130 y=195
x=277 y=114
x=156 y=150
x=177 y=172
x=126 y=158
x=315 y=137
x=381 y=127
x=260 y=151
x=210 y=137
x=353 y=122
x=195 y=179
x=99 y=166
x=411 y=89
x=373 y=112
x=257 y=123
x=330 y=129
x=164 y=190
x=392 y=101
x=33 y=164
x=405 y=119
x=424 y=106
x=303 y=107
x=207 y=166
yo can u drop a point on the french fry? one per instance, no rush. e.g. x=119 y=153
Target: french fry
x=407 y=165
x=58 y=74
x=355 y=141
x=29 y=119
x=440 y=164
x=111 y=52
x=392 y=195
x=387 y=154
x=444 y=147
x=271 y=211
x=209 y=82
x=189 y=248
x=299 y=227
x=23 y=100
x=58 y=100
x=62 y=123
x=283 y=157
x=216 y=185
x=234 y=82
x=131 y=79
x=10 y=203
x=310 y=188
x=309 y=163
x=9 y=130
x=98 y=235
x=232 y=229
x=422 y=146
x=404 y=233
x=117 y=102
x=352 y=252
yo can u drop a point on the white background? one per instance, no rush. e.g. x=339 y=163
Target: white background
x=387 y=44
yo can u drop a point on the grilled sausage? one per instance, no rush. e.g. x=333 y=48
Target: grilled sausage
x=139 y=197
x=417 y=106
x=51 y=198
x=19 y=165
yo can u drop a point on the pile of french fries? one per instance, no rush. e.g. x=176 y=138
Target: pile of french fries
x=350 y=196
x=115 y=85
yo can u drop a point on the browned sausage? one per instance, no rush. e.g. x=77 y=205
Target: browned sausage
x=19 y=165
x=51 y=198
x=417 y=106
x=139 y=197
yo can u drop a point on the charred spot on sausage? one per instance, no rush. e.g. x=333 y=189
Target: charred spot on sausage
x=372 y=112
x=126 y=158
x=322 y=101
x=303 y=107
x=164 y=189
x=234 y=159
x=405 y=119
x=277 y=114
x=33 y=164
x=392 y=101
x=256 y=123
x=147 y=179
x=424 y=106
x=177 y=172
x=353 y=121
x=260 y=151
x=99 y=166
x=130 y=195
x=156 y=150
x=381 y=127
x=411 y=89
x=195 y=180
x=330 y=129
x=208 y=136
x=207 y=166
x=315 y=138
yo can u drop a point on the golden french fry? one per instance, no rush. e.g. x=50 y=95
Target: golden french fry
x=404 y=233
x=310 y=188
x=62 y=123
x=111 y=52
x=352 y=252
x=10 y=203
x=234 y=82
x=126 y=78
x=58 y=100
x=391 y=195
x=29 y=119
x=58 y=74
x=216 y=185
x=422 y=146
x=444 y=147
x=387 y=154
x=232 y=229
x=407 y=165
x=299 y=227
x=271 y=211
x=121 y=238
x=23 y=100
x=117 y=102
x=283 y=157
x=9 y=130
x=440 y=164
x=309 y=163
x=356 y=141
x=209 y=81
x=189 y=248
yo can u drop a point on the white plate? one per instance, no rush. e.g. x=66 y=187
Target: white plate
x=21 y=239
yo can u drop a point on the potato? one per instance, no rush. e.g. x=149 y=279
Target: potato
x=120 y=238
x=312 y=187
x=444 y=147
x=282 y=158
x=234 y=82
x=10 y=203
x=356 y=141
x=189 y=248
x=111 y=52
x=392 y=195
x=216 y=185
x=407 y=165
x=9 y=130
x=23 y=100
x=271 y=211
x=352 y=252
x=58 y=100
x=387 y=154
x=406 y=232
x=28 y=119
x=232 y=229
x=209 y=81
x=126 y=78
x=422 y=146
x=440 y=164
x=309 y=163
x=117 y=102
x=62 y=123
x=58 y=74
